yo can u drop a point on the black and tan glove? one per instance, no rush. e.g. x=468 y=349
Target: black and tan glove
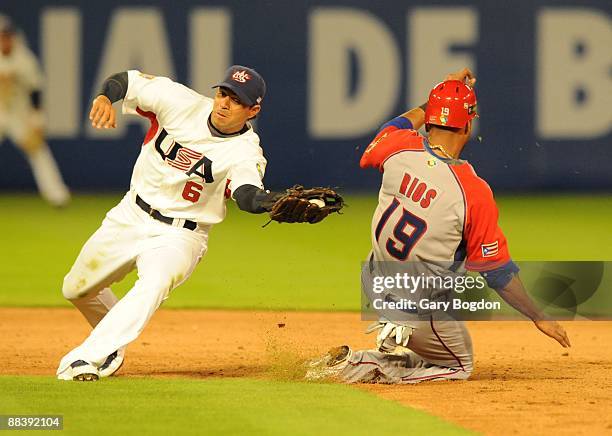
x=301 y=205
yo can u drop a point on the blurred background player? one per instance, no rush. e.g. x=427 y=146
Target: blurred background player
x=21 y=118
x=434 y=213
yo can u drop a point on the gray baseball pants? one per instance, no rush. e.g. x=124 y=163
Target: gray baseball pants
x=438 y=350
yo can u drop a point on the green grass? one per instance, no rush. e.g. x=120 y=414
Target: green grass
x=215 y=406
x=294 y=267
x=557 y=227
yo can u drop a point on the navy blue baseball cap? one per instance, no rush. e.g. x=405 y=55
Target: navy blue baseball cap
x=247 y=83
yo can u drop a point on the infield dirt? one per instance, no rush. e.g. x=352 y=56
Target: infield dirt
x=524 y=383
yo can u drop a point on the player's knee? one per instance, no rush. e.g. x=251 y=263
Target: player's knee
x=75 y=287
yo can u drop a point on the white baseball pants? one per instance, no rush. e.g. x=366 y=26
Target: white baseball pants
x=164 y=255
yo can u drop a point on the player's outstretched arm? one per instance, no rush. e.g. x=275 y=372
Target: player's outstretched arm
x=514 y=294
x=102 y=113
x=252 y=199
x=294 y=205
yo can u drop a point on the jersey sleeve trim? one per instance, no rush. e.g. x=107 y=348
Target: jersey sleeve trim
x=480 y=266
x=499 y=277
x=399 y=123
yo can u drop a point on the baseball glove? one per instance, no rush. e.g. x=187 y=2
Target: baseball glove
x=300 y=205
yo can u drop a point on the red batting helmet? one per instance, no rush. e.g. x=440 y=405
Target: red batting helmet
x=451 y=103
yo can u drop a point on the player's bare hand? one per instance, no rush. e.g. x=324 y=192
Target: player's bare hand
x=102 y=114
x=465 y=75
x=554 y=330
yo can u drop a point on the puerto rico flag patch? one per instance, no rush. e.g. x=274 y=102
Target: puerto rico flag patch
x=490 y=250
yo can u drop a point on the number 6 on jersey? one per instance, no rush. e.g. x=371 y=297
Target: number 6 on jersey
x=192 y=191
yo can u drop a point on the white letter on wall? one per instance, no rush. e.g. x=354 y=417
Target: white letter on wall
x=61 y=59
x=211 y=47
x=136 y=40
x=432 y=32
x=574 y=56
x=334 y=34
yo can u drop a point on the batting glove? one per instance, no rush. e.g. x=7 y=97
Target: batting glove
x=388 y=330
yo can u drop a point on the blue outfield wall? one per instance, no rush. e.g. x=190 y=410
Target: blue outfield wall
x=335 y=71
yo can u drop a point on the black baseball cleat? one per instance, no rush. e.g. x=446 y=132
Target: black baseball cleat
x=84 y=371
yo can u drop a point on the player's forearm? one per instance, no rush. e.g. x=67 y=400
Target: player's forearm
x=252 y=199
x=416 y=116
x=115 y=87
x=515 y=295
x=412 y=119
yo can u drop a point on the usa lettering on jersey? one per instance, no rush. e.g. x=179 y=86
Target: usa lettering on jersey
x=183 y=158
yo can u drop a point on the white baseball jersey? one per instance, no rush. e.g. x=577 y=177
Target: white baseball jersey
x=184 y=171
x=19 y=76
x=430 y=208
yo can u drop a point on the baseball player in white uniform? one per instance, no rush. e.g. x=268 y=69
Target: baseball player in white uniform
x=21 y=118
x=433 y=213
x=197 y=153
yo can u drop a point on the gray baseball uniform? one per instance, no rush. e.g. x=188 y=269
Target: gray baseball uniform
x=430 y=210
